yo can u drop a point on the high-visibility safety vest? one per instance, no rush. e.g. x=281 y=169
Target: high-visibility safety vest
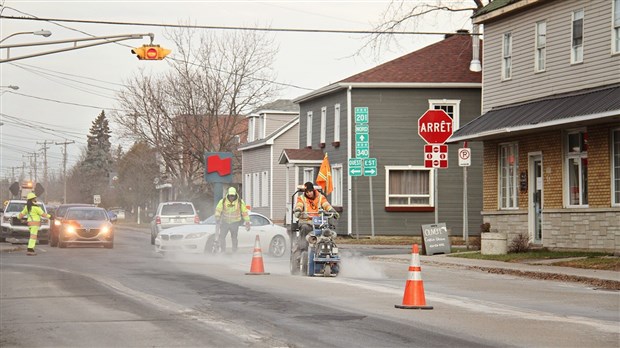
x=311 y=206
x=233 y=211
x=34 y=217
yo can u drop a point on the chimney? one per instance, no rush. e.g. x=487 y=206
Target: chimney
x=459 y=31
x=475 y=65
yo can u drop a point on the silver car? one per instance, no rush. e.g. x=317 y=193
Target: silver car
x=171 y=214
x=86 y=226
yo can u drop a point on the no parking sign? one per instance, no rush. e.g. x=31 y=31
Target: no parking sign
x=464 y=157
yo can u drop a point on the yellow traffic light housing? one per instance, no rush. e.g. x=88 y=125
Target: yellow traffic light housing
x=151 y=52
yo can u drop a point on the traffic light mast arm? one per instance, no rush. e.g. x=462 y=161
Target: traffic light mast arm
x=105 y=40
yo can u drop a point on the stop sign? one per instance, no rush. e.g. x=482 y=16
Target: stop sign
x=435 y=126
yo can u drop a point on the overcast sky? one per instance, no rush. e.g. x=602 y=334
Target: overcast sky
x=61 y=94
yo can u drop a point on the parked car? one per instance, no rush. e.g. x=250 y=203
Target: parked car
x=171 y=214
x=86 y=226
x=199 y=238
x=119 y=212
x=57 y=217
x=13 y=227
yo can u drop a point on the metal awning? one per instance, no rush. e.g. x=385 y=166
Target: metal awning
x=575 y=109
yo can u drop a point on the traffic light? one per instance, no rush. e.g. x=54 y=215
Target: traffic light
x=150 y=52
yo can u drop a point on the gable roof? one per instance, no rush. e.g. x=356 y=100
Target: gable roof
x=301 y=156
x=272 y=137
x=596 y=105
x=445 y=61
x=444 y=64
x=497 y=9
x=280 y=105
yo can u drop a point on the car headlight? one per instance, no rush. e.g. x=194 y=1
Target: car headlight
x=104 y=230
x=70 y=229
x=57 y=223
x=196 y=235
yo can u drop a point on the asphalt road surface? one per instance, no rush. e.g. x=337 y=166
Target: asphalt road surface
x=132 y=296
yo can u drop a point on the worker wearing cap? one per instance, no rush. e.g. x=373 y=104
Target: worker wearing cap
x=308 y=205
x=34 y=213
x=229 y=212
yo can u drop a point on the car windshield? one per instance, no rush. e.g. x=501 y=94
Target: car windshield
x=209 y=221
x=177 y=209
x=83 y=214
x=16 y=207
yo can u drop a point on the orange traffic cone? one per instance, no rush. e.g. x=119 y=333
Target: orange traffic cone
x=257 y=267
x=414 y=289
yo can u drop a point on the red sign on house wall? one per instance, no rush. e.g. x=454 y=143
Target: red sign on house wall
x=218 y=167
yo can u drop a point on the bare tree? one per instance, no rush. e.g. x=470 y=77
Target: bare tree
x=403 y=15
x=200 y=104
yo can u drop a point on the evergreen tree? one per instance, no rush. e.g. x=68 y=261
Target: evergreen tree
x=93 y=172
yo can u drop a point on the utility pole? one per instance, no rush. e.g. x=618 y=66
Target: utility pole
x=64 y=167
x=45 y=142
x=30 y=157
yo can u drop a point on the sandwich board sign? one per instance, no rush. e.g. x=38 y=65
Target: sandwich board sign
x=435 y=239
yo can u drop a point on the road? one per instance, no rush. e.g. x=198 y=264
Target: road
x=131 y=296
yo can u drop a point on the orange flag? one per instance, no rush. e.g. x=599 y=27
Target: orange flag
x=325 y=176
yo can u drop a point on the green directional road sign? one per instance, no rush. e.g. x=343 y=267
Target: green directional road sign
x=361 y=137
x=362 y=153
x=370 y=162
x=370 y=171
x=355 y=162
x=355 y=171
x=362 y=145
x=361 y=128
x=361 y=115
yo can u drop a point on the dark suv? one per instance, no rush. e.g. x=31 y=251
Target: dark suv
x=57 y=219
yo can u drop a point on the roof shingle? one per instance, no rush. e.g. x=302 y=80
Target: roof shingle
x=446 y=61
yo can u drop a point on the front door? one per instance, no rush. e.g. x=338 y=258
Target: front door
x=535 y=196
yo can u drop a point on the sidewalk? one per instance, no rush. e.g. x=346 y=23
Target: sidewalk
x=596 y=278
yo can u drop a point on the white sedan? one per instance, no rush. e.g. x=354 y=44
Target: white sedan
x=198 y=238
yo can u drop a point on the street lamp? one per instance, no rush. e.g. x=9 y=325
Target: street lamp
x=44 y=33
x=15 y=88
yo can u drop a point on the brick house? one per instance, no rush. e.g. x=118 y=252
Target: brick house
x=550 y=121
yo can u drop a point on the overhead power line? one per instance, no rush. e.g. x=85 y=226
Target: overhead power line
x=64 y=102
x=217 y=27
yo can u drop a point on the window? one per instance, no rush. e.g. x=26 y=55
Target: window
x=336 y=198
x=308 y=175
x=257 y=220
x=256 y=189
x=309 y=129
x=251 y=128
x=337 y=122
x=616 y=28
x=577 y=168
x=615 y=177
x=264 y=189
x=323 y=124
x=507 y=57
x=508 y=173
x=260 y=127
x=576 y=54
x=451 y=107
x=247 y=185
x=409 y=186
x=541 y=46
